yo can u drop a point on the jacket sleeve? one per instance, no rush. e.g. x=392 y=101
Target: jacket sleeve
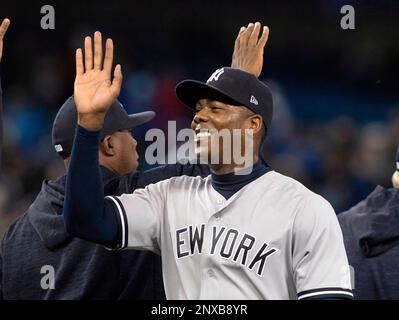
x=1 y=123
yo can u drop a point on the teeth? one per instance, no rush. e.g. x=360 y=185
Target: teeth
x=203 y=134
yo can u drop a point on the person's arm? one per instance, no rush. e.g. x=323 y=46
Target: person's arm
x=132 y=220
x=3 y=29
x=86 y=213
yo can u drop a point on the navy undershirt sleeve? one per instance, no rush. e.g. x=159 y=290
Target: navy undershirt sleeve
x=87 y=214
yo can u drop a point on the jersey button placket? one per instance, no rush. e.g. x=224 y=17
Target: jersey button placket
x=220 y=203
x=211 y=273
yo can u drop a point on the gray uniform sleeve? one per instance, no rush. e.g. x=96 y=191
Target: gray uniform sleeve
x=320 y=264
x=141 y=214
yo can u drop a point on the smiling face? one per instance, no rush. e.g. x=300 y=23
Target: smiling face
x=212 y=120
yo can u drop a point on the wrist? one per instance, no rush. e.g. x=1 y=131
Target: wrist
x=93 y=122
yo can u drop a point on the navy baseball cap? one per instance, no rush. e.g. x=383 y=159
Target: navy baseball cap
x=116 y=119
x=231 y=86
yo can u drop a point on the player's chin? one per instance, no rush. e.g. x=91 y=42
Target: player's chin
x=133 y=165
x=203 y=153
x=208 y=155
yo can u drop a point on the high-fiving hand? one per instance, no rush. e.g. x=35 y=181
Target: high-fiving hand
x=3 y=29
x=94 y=92
x=248 y=48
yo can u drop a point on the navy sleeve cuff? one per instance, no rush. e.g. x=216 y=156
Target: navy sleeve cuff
x=90 y=134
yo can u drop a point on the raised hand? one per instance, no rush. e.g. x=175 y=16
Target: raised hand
x=94 y=92
x=3 y=29
x=248 y=49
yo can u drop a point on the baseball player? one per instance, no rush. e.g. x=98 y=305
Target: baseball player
x=3 y=29
x=259 y=235
x=371 y=233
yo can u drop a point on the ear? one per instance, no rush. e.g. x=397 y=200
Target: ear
x=255 y=123
x=107 y=146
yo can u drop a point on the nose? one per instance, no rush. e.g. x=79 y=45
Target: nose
x=200 y=116
x=134 y=141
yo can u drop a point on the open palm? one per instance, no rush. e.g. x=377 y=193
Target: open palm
x=249 y=47
x=94 y=92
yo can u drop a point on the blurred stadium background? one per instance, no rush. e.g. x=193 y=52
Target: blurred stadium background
x=336 y=124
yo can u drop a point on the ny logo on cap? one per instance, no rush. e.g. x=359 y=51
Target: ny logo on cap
x=253 y=100
x=215 y=76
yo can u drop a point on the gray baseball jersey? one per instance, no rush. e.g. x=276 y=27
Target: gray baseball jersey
x=273 y=239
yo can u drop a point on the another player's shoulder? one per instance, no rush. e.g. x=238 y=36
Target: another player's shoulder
x=19 y=228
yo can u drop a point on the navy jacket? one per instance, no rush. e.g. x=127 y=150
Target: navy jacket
x=1 y=124
x=82 y=270
x=371 y=236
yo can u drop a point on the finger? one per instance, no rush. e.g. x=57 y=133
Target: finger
x=117 y=81
x=88 y=54
x=246 y=34
x=98 y=50
x=237 y=42
x=109 y=56
x=79 y=62
x=3 y=27
x=253 y=39
x=263 y=39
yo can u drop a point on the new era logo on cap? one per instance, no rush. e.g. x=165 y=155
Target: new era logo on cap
x=253 y=100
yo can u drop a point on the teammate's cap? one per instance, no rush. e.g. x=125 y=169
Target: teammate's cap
x=232 y=86
x=116 y=119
